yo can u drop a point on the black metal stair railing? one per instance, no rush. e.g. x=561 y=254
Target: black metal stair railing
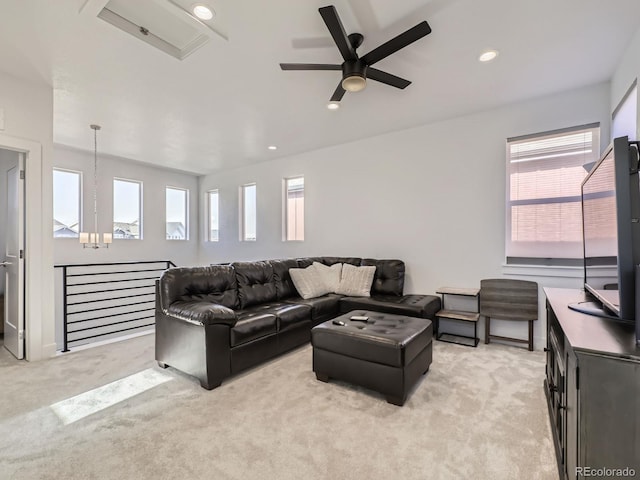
x=106 y=300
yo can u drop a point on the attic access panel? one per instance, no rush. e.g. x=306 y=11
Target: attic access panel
x=163 y=24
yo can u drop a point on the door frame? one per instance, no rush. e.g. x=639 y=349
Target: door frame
x=38 y=247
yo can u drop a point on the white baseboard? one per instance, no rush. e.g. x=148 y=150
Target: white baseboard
x=49 y=350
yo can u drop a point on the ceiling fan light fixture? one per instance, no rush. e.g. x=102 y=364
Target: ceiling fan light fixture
x=354 y=83
x=202 y=12
x=356 y=69
x=488 y=55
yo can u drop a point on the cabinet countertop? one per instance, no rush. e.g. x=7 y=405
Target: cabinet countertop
x=588 y=333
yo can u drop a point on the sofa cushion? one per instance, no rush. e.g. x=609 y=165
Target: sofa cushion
x=424 y=306
x=329 y=275
x=287 y=313
x=214 y=284
x=252 y=325
x=205 y=313
x=256 y=284
x=291 y=315
x=389 y=277
x=284 y=285
x=309 y=282
x=356 y=281
x=321 y=307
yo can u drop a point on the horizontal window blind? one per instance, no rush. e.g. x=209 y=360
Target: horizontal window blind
x=544 y=173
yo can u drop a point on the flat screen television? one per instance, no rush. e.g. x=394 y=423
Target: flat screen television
x=611 y=233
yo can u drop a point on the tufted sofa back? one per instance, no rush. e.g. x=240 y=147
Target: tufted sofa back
x=243 y=284
x=333 y=260
x=307 y=261
x=256 y=283
x=284 y=285
x=389 y=276
x=215 y=284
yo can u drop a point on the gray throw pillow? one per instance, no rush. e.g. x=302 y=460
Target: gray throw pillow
x=308 y=282
x=356 y=281
x=330 y=275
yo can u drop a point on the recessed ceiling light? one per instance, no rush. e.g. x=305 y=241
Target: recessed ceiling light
x=333 y=105
x=272 y=147
x=488 y=55
x=203 y=12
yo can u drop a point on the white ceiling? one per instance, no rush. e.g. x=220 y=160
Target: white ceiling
x=225 y=103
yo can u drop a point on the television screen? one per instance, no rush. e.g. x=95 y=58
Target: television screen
x=600 y=223
x=611 y=222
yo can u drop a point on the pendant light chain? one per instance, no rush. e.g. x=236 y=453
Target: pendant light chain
x=95 y=177
x=92 y=239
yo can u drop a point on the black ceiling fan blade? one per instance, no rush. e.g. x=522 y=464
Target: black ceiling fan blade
x=397 y=43
x=338 y=94
x=389 y=79
x=309 y=66
x=331 y=19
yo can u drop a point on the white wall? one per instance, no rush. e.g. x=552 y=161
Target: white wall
x=8 y=159
x=627 y=71
x=28 y=126
x=433 y=196
x=154 y=245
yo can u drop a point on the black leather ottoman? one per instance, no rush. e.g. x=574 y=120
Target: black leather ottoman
x=388 y=354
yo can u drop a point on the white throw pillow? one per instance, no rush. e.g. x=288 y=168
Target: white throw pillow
x=308 y=282
x=356 y=281
x=330 y=275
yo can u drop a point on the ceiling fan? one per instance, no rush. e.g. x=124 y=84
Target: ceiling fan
x=355 y=69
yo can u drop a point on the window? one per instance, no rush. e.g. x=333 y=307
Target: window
x=67 y=204
x=544 y=173
x=248 y=212
x=625 y=116
x=294 y=209
x=177 y=209
x=212 y=197
x=127 y=209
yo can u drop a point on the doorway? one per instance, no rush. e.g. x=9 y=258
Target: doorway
x=12 y=286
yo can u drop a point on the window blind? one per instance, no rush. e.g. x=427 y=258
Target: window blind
x=544 y=173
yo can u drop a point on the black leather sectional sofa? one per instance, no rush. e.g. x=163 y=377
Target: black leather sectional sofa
x=214 y=321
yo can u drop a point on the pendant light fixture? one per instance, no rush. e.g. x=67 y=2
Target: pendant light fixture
x=92 y=239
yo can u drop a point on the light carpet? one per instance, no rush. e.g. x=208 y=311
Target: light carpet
x=479 y=413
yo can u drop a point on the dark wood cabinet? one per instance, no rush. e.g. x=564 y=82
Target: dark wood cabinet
x=592 y=387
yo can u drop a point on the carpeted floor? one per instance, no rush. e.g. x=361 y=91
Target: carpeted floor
x=479 y=414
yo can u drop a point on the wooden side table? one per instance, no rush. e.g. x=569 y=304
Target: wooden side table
x=459 y=315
